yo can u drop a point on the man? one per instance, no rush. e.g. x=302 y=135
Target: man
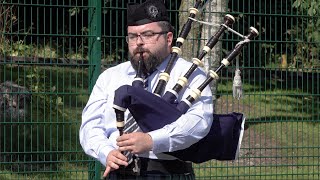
x=149 y=35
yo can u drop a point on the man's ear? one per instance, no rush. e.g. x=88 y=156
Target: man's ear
x=169 y=38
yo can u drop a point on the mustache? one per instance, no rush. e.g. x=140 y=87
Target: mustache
x=140 y=50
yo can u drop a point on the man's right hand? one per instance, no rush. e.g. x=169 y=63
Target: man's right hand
x=114 y=160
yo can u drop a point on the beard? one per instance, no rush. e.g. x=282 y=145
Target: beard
x=149 y=64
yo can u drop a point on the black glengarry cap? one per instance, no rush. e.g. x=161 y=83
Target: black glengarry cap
x=147 y=12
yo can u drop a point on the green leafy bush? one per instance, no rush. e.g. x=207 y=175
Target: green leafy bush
x=307 y=35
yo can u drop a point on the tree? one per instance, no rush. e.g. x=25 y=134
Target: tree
x=307 y=35
x=212 y=12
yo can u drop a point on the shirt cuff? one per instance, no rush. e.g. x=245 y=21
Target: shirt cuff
x=160 y=140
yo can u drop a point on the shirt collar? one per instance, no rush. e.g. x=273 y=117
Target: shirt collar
x=131 y=71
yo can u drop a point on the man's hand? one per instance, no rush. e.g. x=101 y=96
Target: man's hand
x=114 y=159
x=137 y=142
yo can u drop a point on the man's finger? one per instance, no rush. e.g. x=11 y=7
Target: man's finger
x=107 y=171
x=126 y=148
x=120 y=156
x=114 y=165
x=121 y=162
x=123 y=137
x=124 y=143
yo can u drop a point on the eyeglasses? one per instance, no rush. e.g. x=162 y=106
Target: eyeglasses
x=147 y=37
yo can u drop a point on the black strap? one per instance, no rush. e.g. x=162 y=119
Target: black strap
x=165 y=166
x=156 y=166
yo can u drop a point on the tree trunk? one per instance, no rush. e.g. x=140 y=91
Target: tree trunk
x=213 y=13
x=199 y=34
x=191 y=45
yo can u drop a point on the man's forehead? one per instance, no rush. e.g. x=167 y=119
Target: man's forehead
x=145 y=27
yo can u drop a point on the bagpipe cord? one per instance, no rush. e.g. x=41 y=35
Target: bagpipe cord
x=237 y=83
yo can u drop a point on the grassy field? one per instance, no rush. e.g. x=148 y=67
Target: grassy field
x=281 y=139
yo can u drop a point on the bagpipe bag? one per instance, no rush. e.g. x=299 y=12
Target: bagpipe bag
x=152 y=112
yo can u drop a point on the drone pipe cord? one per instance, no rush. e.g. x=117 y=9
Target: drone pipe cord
x=164 y=77
x=171 y=95
x=184 y=105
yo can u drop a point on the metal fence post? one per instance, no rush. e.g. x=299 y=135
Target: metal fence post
x=94 y=26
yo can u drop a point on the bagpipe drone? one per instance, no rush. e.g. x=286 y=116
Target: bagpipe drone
x=224 y=138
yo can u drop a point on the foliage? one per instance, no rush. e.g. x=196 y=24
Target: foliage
x=16 y=31
x=42 y=93
x=267 y=17
x=7 y=20
x=307 y=34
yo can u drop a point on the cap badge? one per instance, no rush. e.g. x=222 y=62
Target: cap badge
x=153 y=11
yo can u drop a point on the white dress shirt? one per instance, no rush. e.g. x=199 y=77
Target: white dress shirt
x=98 y=131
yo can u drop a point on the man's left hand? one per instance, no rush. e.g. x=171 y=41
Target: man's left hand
x=136 y=142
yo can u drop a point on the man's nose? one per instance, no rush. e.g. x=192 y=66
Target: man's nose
x=139 y=40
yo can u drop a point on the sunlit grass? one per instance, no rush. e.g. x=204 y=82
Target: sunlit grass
x=68 y=171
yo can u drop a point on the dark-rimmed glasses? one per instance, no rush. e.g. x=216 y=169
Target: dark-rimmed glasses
x=147 y=37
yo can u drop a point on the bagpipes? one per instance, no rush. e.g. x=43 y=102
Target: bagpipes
x=152 y=112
